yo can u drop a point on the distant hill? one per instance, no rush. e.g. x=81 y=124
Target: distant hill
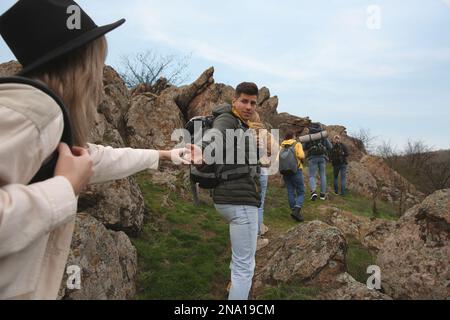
x=428 y=171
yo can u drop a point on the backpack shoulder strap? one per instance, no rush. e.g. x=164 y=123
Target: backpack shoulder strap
x=47 y=169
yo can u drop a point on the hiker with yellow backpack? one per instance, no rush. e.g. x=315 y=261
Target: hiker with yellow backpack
x=291 y=167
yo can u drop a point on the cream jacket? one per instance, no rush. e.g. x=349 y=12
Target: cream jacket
x=37 y=221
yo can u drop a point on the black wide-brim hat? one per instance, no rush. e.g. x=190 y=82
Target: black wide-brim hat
x=39 y=31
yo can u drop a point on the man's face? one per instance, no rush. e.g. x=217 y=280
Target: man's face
x=245 y=105
x=337 y=139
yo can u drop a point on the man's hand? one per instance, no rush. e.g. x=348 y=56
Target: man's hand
x=191 y=154
x=194 y=154
x=76 y=165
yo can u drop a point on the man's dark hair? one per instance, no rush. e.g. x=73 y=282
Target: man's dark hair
x=289 y=135
x=247 y=88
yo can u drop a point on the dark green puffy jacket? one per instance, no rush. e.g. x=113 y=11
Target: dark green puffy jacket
x=244 y=190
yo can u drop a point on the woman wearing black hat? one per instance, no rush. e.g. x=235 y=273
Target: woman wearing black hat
x=53 y=100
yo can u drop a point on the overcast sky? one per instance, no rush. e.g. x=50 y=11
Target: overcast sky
x=333 y=61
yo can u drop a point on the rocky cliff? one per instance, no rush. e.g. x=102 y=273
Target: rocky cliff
x=145 y=117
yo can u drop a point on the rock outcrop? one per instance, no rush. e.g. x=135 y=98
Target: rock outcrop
x=151 y=121
x=413 y=253
x=392 y=187
x=415 y=259
x=119 y=205
x=116 y=100
x=10 y=68
x=373 y=178
x=360 y=180
x=214 y=94
x=107 y=259
x=152 y=118
x=313 y=252
x=371 y=233
x=350 y=289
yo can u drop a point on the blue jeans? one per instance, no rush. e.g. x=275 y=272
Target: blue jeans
x=264 y=180
x=342 y=170
x=320 y=163
x=243 y=221
x=295 y=189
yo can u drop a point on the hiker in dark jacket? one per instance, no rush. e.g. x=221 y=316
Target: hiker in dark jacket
x=238 y=198
x=317 y=155
x=338 y=157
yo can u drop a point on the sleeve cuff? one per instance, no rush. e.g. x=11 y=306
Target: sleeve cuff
x=153 y=162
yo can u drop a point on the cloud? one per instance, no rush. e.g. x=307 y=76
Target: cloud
x=333 y=54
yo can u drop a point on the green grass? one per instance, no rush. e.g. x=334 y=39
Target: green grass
x=358 y=259
x=289 y=292
x=364 y=207
x=184 y=251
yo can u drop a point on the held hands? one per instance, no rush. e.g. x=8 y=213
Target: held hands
x=194 y=155
x=75 y=165
x=191 y=154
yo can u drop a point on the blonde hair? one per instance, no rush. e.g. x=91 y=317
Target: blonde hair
x=77 y=78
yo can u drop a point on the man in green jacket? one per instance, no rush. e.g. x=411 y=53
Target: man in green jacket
x=237 y=199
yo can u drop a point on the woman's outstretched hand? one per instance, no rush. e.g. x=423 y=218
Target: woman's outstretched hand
x=191 y=154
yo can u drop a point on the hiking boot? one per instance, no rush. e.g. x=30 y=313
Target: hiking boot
x=323 y=196
x=261 y=243
x=313 y=196
x=264 y=229
x=297 y=215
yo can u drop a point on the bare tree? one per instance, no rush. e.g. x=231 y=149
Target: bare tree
x=417 y=154
x=149 y=66
x=427 y=170
x=366 y=138
x=438 y=174
x=388 y=152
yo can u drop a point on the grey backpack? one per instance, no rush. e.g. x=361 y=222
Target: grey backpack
x=288 y=160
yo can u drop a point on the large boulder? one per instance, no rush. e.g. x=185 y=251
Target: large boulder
x=119 y=205
x=392 y=187
x=151 y=121
x=373 y=178
x=215 y=94
x=286 y=122
x=116 y=99
x=152 y=90
x=350 y=289
x=107 y=259
x=152 y=118
x=104 y=133
x=371 y=233
x=360 y=180
x=414 y=260
x=312 y=252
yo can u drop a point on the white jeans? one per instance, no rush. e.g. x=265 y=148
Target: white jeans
x=243 y=222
